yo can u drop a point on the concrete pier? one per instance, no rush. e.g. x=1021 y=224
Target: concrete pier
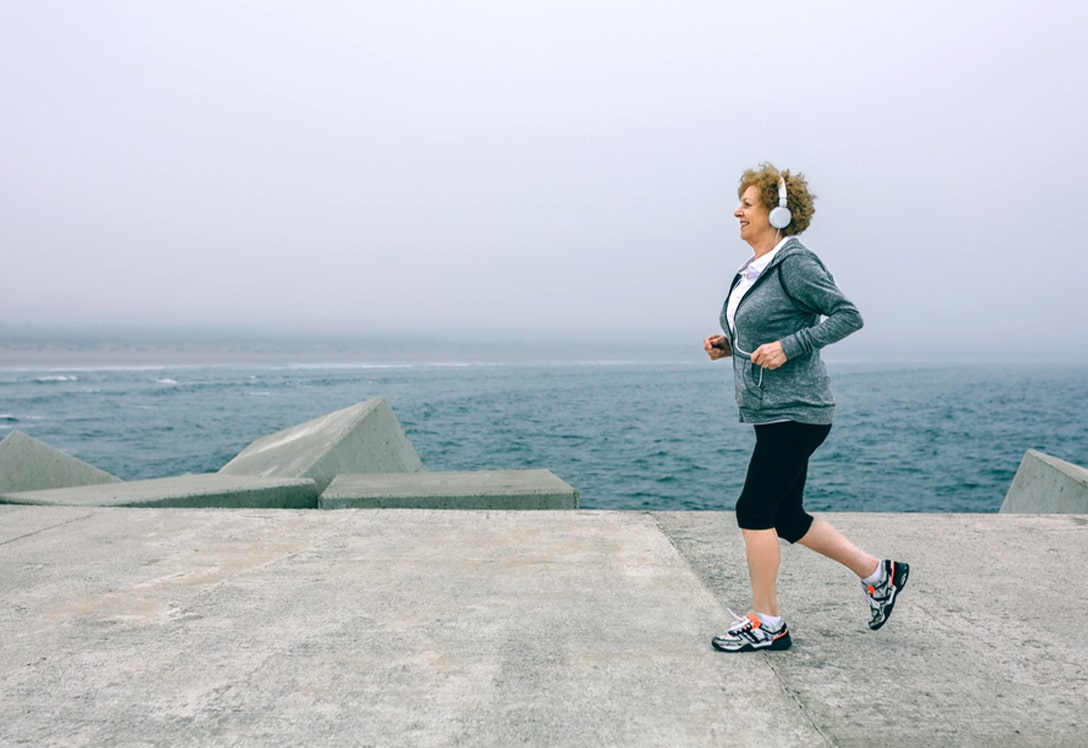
x=568 y=628
x=362 y=438
x=27 y=464
x=189 y=491
x=1044 y=484
x=469 y=489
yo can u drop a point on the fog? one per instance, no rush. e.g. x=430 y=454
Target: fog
x=553 y=171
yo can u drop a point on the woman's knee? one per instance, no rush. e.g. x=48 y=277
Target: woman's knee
x=753 y=515
x=794 y=527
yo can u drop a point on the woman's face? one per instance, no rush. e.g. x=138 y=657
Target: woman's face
x=755 y=220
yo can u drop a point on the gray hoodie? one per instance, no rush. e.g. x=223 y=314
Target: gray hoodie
x=787 y=303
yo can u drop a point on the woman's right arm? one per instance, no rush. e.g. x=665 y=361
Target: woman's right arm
x=716 y=346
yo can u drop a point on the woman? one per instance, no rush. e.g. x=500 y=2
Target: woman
x=782 y=308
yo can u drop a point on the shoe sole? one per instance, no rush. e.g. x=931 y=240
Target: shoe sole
x=904 y=574
x=777 y=645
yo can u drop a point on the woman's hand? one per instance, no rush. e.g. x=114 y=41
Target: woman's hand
x=716 y=346
x=769 y=355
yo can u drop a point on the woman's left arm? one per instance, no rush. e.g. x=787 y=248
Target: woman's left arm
x=809 y=283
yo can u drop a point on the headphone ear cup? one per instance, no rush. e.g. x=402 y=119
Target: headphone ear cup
x=780 y=217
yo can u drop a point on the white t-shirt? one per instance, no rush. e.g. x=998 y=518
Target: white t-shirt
x=749 y=272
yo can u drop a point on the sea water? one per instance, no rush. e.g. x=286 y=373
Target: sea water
x=662 y=436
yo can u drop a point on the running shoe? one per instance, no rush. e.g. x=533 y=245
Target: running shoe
x=882 y=597
x=749 y=634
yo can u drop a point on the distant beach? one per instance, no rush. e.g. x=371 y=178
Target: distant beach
x=99 y=355
x=106 y=355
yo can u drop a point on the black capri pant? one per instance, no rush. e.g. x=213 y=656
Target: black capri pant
x=775 y=486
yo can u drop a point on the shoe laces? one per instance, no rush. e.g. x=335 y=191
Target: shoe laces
x=876 y=594
x=743 y=623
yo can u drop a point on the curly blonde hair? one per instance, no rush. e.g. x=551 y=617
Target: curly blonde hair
x=798 y=198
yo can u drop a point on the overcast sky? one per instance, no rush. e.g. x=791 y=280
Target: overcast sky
x=553 y=169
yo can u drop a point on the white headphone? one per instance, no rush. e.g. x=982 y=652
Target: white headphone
x=780 y=216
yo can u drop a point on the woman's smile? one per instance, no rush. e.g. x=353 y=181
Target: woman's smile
x=753 y=216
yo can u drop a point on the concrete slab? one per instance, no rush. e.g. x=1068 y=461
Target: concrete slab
x=986 y=648
x=27 y=464
x=480 y=489
x=194 y=491
x=368 y=628
x=418 y=627
x=1044 y=484
x=362 y=438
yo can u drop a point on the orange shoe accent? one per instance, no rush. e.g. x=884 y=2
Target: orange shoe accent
x=755 y=620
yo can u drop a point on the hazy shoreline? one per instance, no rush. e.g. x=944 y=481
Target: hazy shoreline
x=59 y=356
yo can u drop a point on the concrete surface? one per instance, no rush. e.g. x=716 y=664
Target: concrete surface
x=27 y=464
x=1044 y=484
x=416 y=627
x=476 y=489
x=362 y=438
x=191 y=491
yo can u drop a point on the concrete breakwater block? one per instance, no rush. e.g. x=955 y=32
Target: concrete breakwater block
x=27 y=464
x=482 y=489
x=362 y=438
x=1047 y=485
x=192 y=491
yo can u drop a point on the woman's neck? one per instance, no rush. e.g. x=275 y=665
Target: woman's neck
x=765 y=244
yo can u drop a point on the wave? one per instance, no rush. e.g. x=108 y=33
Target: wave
x=453 y=364
x=8 y=418
x=57 y=378
x=358 y=365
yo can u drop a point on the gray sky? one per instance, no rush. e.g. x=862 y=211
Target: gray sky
x=552 y=169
